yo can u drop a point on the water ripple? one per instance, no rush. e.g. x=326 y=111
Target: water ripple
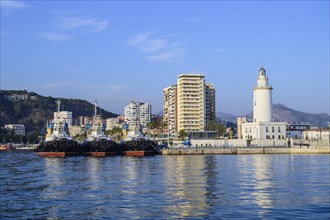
x=165 y=187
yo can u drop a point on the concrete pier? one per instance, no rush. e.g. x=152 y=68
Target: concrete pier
x=265 y=150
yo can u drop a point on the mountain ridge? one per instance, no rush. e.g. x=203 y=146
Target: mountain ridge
x=283 y=113
x=33 y=110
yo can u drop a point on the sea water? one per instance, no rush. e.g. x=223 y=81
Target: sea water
x=165 y=187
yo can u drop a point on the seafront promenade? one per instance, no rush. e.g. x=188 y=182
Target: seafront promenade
x=259 y=150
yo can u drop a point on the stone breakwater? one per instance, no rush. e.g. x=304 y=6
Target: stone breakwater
x=205 y=151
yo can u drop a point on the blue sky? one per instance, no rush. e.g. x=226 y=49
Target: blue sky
x=116 y=52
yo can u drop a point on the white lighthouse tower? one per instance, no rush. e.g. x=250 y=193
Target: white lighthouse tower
x=262 y=98
x=263 y=130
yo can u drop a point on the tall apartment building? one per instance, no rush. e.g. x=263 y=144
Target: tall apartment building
x=210 y=103
x=137 y=113
x=170 y=110
x=190 y=104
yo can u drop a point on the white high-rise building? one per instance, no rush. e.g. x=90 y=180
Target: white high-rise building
x=170 y=109
x=137 y=113
x=262 y=126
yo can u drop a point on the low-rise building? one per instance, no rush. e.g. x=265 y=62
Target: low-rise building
x=111 y=123
x=317 y=134
x=19 y=129
x=240 y=121
x=295 y=130
x=264 y=130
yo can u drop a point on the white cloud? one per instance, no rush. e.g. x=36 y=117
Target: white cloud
x=168 y=55
x=12 y=5
x=70 y=22
x=56 y=37
x=158 y=48
x=9 y=6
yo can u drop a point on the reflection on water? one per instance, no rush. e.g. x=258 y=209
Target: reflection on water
x=256 y=176
x=185 y=180
x=165 y=187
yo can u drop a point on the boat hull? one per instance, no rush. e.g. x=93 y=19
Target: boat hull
x=56 y=154
x=140 y=153
x=58 y=148
x=139 y=148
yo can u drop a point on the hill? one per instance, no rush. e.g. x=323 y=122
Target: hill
x=283 y=113
x=33 y=110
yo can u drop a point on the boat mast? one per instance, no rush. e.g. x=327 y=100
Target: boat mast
x=58 y=105
x=95 y=108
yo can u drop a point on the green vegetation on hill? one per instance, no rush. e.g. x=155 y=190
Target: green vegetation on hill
x=33 y=110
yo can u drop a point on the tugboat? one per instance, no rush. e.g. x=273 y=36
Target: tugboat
x=58 y=144
x=97 y=143
x=137 y=146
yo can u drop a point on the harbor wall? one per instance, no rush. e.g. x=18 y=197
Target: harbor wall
x=238 y=143
x=264 y=150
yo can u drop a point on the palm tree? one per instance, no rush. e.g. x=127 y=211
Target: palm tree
x=164 y=125
x=221 y=129
x=152 y=125
x=116 y=133
x=211 y=126
x=182 y=134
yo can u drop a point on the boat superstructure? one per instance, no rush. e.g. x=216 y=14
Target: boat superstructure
x=135 y=144
x=58 y=142
x=97 y=143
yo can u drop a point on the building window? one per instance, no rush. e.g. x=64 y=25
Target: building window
x=273 y=137
x=279 y=129
x=273 y=130
x=279 y=137
x=266 y=129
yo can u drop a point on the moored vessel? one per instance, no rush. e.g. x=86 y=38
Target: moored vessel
x=97 y=143
x=136 y=145
x=58 y=143
x=5 y=147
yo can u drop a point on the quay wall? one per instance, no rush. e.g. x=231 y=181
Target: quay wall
x=238 y=143
x=207 y=151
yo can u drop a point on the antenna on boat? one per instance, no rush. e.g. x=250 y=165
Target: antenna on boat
x=95 y=109
x=58 y=105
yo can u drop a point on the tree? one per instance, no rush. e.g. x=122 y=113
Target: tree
x=18 y=109
x=220 y=129
x=216 y=126
x=211 y=126
x=182 y=134
x=152 y=125
x=116 y=133
x=164 y=125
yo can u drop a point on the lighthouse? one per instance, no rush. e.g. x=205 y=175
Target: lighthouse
x=262 y=98
x=262 y=130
